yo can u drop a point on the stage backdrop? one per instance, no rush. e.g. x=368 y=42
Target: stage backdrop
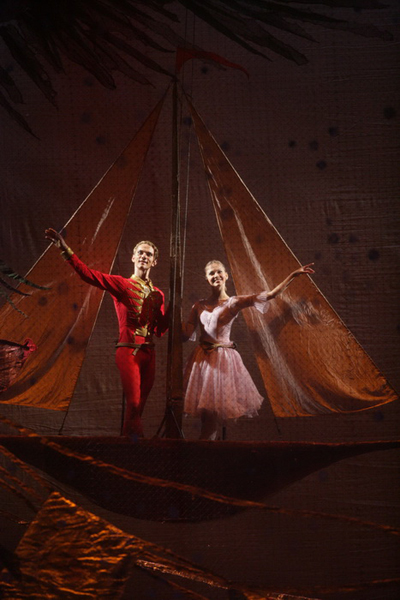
x=316 y=144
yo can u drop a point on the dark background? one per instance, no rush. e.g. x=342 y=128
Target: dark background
x=317 y=145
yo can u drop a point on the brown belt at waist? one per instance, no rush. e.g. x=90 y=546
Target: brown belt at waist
x=135 y=347
x=209 y=346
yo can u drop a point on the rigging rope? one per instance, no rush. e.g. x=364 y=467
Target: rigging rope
x=188 y=154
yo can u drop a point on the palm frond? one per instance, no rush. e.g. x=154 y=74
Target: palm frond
x=7 y=82
x=14 y=114
x=102 y=35
x=251 y=30
x=6 y=270
x=8 y=286
x=6 y=296
x=27 y=60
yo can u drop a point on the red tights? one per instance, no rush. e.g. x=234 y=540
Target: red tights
x=137 y=376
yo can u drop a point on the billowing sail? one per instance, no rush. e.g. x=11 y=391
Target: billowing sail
x=309 y=361
x=61 y=319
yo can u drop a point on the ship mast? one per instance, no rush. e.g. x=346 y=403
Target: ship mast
x=174 y=391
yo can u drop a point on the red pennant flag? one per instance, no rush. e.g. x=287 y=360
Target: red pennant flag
x=184 y=54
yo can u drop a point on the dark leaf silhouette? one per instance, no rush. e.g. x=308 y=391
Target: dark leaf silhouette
x=108 y=36
x=5 y=287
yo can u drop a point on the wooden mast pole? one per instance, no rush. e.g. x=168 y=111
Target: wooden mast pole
x=174 y=408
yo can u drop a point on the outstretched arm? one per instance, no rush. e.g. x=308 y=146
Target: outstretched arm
x=111 y=283
x=305 y=270
x=246 y=301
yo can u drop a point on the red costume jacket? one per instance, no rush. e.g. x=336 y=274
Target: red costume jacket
x=138 y=304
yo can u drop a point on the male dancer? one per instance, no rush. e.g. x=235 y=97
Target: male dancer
x=140 y=311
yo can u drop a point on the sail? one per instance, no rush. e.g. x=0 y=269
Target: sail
x=60 y=320
x=309 y=360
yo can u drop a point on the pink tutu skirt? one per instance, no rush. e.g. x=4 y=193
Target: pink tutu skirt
x=219 y=382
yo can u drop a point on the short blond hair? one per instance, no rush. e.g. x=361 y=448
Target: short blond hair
x=149 y=244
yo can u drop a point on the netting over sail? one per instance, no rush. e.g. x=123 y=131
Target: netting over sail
x=61 y=321
x=309 y=361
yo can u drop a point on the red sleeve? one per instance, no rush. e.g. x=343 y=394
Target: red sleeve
x=110 y=283
x=162 y=323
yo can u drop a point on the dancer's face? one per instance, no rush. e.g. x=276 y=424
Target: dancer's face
x=216 y=274
x=144 y=257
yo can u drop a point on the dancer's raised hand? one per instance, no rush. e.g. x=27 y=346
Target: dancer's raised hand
x=56 y=238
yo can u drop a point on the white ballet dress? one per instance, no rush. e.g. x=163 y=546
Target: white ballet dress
x=215 y=378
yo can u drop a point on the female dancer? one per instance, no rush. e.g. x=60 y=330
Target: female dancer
x=217 y=384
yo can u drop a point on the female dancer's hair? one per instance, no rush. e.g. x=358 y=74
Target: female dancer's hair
x=210 y=262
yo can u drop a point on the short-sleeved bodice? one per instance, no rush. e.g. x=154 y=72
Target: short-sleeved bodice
x=215 y=322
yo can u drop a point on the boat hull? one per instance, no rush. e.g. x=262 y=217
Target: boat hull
x=178 y=480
